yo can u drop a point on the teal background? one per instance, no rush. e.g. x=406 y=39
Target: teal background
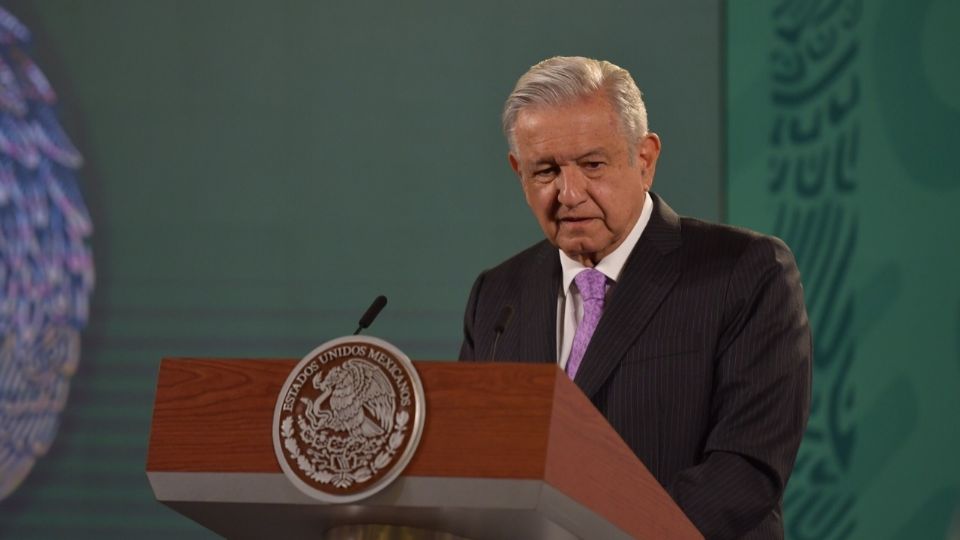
x=258 y=171
x=858 y=102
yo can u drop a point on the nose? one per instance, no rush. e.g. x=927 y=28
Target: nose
x=572 y=187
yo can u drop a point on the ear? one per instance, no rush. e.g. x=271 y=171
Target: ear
x=648 y=150
x=514 y=164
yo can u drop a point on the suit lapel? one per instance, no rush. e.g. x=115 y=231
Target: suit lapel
x=538 y=307
x=649 y=274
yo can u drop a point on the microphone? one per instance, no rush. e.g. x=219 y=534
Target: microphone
x=371 y=313
x=502 y=321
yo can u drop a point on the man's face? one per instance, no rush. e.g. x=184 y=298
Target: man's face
x=583 y=180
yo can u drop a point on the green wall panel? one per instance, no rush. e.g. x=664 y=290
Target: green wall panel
x=843 y=117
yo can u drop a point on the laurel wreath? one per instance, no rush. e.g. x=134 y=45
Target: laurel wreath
x=344 y=479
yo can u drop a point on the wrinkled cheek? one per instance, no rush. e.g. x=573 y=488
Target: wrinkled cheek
x=550 y=230
x=543 y=211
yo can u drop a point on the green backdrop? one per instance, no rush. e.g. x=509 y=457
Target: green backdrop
x=843 y=121
x=258 y=171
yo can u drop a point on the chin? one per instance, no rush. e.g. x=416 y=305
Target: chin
x=575 y=249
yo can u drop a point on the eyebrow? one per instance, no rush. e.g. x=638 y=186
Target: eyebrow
x=552 y=161
x=594 y=152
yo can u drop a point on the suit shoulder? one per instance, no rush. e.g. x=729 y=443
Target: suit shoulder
x=728 y=241
x=749 y=261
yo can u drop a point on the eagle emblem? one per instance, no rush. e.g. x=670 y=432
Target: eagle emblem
x=348 y=419
x=361 y=400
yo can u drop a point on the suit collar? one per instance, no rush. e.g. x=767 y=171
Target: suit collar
x=663 y=231
x=538 y=306
x=649 y=274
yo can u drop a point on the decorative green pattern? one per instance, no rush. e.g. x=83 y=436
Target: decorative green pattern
x=814 y=142
x=842 y=138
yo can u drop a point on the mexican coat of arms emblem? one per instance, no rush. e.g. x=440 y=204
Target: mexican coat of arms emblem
x=348 y=419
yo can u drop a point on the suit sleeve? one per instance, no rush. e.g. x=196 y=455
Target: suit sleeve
x=467 y=348
x=761 y=397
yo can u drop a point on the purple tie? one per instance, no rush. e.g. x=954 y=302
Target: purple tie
x=592 y=285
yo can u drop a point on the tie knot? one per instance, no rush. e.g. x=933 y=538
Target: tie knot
x=592 y=284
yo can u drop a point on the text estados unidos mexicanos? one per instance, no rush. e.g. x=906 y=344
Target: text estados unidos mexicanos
x=356 y=351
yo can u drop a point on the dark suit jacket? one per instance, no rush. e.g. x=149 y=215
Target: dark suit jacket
x=701 y=360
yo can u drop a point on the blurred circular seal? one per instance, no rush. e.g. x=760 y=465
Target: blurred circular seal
x=348 y=419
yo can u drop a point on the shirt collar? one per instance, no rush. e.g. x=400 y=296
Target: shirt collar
x=612 y=264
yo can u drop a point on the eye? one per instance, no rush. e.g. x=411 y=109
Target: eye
x=593 y=165
x=546 y=174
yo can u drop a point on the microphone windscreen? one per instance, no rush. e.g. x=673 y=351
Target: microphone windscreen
x=373 y=311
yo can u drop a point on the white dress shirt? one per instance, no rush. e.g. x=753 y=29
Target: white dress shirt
x=569 y=303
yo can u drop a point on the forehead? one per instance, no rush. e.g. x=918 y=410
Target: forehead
x=569 y=130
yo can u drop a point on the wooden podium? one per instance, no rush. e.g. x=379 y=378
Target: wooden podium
x=508 y=451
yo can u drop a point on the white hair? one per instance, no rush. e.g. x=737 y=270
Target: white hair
x=562 y=79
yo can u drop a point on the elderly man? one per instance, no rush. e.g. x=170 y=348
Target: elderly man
x=690 y=337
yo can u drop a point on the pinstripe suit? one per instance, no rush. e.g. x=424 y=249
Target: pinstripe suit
x=701 y=361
